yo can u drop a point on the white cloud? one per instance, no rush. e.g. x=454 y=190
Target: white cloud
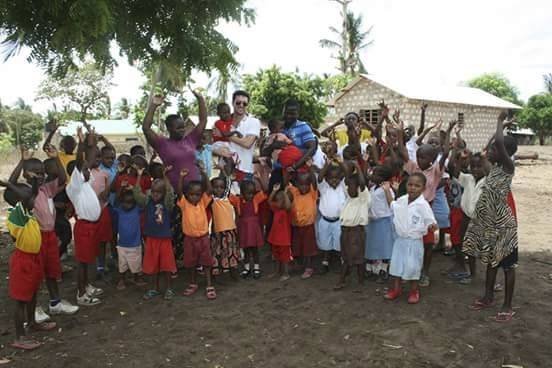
x=442 y=41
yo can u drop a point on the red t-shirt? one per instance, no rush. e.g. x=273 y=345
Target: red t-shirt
x=223 y=127
x=280 y=231
x=145 y=181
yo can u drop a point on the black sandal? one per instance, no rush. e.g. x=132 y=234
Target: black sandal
x=256 y=274
x=245 y=273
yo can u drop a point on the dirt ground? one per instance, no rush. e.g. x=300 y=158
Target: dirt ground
x=300 y=323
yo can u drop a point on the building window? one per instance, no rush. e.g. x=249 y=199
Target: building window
x=460 y=118
x=370 y=116
x=131 y=139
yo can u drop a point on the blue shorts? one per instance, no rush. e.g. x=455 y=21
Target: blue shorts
x=328 y=235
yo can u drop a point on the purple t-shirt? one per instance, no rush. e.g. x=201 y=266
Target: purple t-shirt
x=180 y=155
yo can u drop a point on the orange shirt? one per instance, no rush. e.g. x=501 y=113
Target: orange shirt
x=194 y=218
x=303 y=207
x=259 y=198
x=223 y=215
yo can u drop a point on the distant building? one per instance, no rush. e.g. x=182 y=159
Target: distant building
x=478 y=109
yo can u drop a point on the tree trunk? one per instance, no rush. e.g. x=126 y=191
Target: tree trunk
x=542 y=138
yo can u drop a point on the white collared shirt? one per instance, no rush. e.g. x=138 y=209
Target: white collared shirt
x=412 y=220
x=249 y=126
x=472 y=191
x=332 y=200
x=380 y=207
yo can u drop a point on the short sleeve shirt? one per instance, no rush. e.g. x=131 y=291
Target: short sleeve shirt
x=380 y=206
x=223 y=215
x=355 y=212
x=128 y=227
x=44 y=208
x=300 y=133
x=280 y=231
x=100 y=182
x=194 y=217
x=180 y=154
x=332 y=200
x=412 y=220
x=249 y=126
x=303 y=208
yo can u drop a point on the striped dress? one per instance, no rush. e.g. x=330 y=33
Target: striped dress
x=492 y=233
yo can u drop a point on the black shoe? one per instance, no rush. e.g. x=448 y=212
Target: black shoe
x=256 y=274
x=245 y=274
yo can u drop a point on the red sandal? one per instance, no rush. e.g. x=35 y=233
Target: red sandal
x=211 y=293
x=190 y=290
x=479 y=304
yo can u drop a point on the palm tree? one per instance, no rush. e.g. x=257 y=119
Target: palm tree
x=220 y=83
x=352 y=40
x=548 y=82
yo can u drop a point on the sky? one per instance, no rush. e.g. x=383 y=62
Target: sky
x=444 y=42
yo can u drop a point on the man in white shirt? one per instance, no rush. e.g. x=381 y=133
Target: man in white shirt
x=250 y=130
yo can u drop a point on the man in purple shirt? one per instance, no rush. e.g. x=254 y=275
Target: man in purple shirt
x=179 y=149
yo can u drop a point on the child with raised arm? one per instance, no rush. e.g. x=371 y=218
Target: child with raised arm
x=354 y=217
x=412 y=217
x=379 y=231
x=492 y=232
x=224 y=238
x=25 y=269
x=45 y=213
x=304 y=199
x=87 y=212
x=331 y=187
x=279 y=236
x=158 y=253
x=195 y=226
x=250 y=234
x=433 y=171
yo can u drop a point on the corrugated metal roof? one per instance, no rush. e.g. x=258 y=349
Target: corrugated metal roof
x=427 y=92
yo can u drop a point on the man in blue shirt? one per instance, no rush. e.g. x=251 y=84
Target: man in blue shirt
x=302 y=136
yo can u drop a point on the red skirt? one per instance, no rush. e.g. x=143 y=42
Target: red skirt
x=282 y=253
x=49 y=254
x=87 y=246
x=303 y=241
x=158 y=256
x=455 y=230
x=249 y=232
x=25 y=275
x=105 y=226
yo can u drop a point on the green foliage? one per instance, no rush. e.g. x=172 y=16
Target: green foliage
x=497 y=85
x=335 y=83
x=537 y=115
x=25 y=127
x=122 y=109
x=180 y=33
x=6 y=144
x=271 y=88
x=83 y=89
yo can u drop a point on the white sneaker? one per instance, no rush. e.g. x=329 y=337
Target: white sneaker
x=87 y=300
x=40 y=315
x=93 y=291
x=63 y=307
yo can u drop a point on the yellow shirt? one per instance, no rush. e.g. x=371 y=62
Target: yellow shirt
x=65 y=159
x=343 y=139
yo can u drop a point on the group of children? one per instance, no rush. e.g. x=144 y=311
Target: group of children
x=375 y=204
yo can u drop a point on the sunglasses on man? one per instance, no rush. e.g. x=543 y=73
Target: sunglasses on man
x=241 y=103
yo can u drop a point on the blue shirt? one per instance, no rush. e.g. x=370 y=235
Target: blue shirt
x=111 y=174
x=300 y=133
x=128 y=227
x=158 y=221
x=206 y=156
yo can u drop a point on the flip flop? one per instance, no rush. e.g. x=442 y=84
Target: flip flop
x=190 y=290
x=211 y=293
x=478 y=304
x=150 y=294
x=25 y=344
x=44 y=326
x=504 y=316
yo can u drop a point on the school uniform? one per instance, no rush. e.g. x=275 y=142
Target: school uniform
x=353 y=219
x=303 y=212
x=379 y=231
x=411 y=222
x=195 y=226
x=328 y=229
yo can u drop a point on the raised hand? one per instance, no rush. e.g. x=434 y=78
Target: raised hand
x=502 y=116
x=51 y=151
x=121 y=167
x=80 y=134
x=276 y=187
x=184 y=172
x=157 y=99
x=424 y=106
x=166 y=169
x=452 y=124
x=386 y=185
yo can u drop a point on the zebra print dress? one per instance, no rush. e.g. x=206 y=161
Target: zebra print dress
x=492 y=233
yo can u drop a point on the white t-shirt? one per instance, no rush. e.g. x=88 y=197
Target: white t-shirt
x=412 y=220
x=412 y=147
x=355 y=212
x=332 y=200
x=319 y=158
x=249 y=126
x=380 y=207
x=83 y=197
x=471 y=193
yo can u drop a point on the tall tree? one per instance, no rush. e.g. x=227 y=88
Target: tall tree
x=498 y=85
x=83 y=89
x=181 y=33
x=123 y=109
x=24 y=127
x=220 y=83
x=548 y=82
x=537 y=115
x=271 y=88
x=351 y=41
